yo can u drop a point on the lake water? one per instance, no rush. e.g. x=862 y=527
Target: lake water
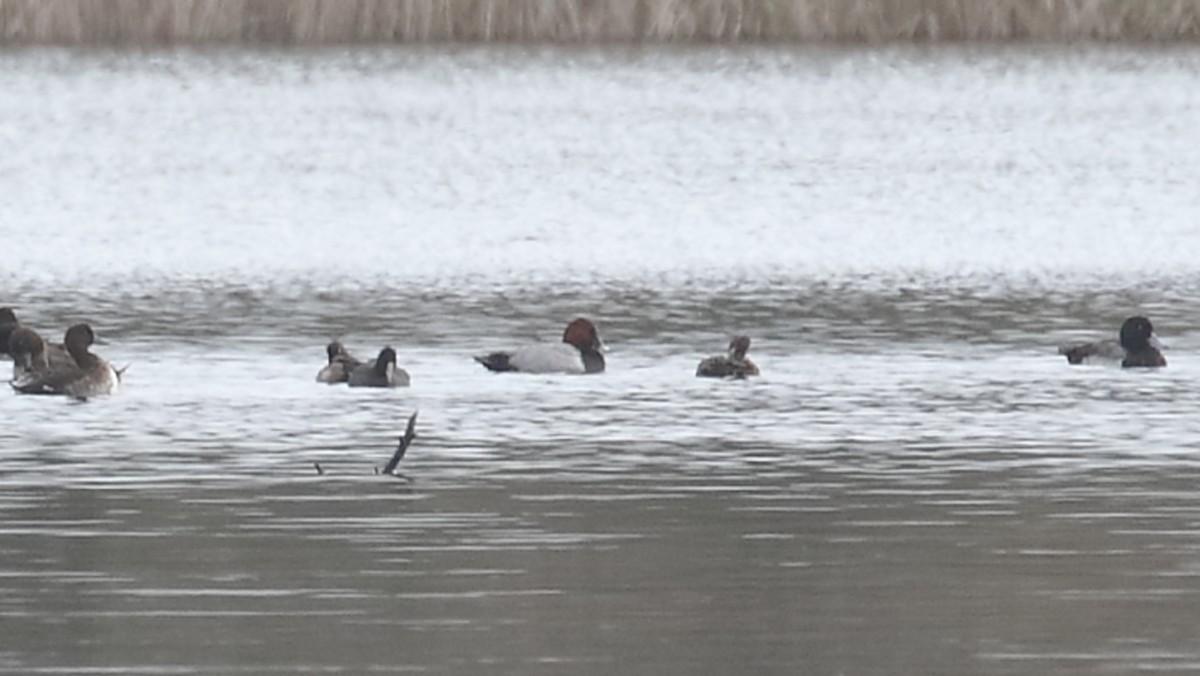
x=917 y=484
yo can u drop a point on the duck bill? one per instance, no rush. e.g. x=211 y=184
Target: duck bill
x=1155 y=343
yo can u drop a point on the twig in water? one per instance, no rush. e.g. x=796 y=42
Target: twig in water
x=318 y=466
x=409 y=434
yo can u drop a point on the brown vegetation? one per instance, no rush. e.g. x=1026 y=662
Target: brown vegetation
x=311 y=22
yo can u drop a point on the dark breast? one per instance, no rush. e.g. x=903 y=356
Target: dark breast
x=1148 y=358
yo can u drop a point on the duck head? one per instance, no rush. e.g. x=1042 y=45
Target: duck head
x=738 y=347
x=386 y=362
x=1137 y=334
x=335 y=350
x=78 y=339
x=583 y=334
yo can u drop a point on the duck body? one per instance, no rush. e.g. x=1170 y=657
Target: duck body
x=380 y=373
x=1101 y=350
x=340 y=365
x=721 y=366
x=550 y=358
x=735 y=364
x=578 y=353
x=85 y=375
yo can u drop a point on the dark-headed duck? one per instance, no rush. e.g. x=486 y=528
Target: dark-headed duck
x=381 y=373
x=1137 y=347
x=733 y=365
x=579 y=352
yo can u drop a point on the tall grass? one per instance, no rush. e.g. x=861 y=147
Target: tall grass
x=365 y=21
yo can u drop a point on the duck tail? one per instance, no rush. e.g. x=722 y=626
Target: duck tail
x=1076 y=354
x=496 y=361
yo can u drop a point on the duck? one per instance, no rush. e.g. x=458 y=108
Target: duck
x=381 y=373
x=28 y=351
x=8 y=324
x=1137 y=347
x=579 y=352
x=86 y=376
x=26 y=347
x=341 y=363
x=733 y=365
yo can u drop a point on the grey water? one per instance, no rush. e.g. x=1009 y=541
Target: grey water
x=917 y=483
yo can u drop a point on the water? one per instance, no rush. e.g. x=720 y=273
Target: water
x=916 y=484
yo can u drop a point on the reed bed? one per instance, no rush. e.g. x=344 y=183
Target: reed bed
x=316 y=22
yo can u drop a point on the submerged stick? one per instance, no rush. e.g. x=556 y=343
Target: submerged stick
x=409 y=434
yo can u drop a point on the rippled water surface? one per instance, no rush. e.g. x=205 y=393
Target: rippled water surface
x=917 y=483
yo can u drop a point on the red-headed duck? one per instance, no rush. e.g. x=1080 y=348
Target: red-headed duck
x=381 y=373
x=341 y=363
x=87 y=376
x=733 y=365
x=1138 y=347
x=579 y=352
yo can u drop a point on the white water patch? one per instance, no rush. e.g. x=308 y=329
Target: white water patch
x=565 y=164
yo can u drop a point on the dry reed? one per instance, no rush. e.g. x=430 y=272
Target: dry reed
x=313 y=22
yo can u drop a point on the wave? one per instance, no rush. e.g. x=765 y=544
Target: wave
x=317 y=22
